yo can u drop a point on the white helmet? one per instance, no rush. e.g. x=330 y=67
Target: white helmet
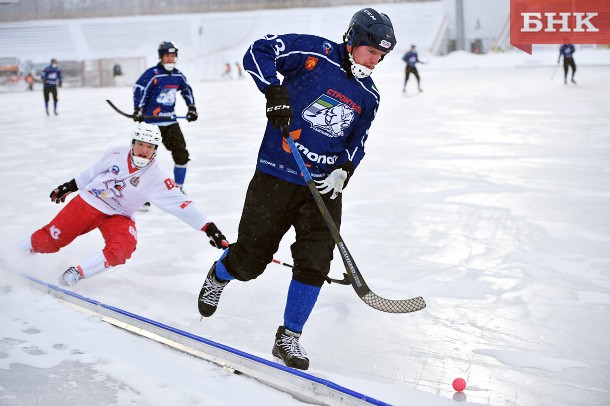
x=146 y=133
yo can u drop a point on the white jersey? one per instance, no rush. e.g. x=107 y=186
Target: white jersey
x=115 y=186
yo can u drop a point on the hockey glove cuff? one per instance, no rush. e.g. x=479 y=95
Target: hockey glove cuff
x=279 y=110
x=217 y=239
x=138 y=115
x=59 y=194
x=192 y=114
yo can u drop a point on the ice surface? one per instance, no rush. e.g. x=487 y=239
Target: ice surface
x=487 y=194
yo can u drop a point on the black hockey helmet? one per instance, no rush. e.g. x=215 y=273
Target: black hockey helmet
x=371 y=28
x=167 y=47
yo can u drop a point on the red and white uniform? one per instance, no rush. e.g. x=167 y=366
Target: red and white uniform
x=110 y=192
x=114 y=186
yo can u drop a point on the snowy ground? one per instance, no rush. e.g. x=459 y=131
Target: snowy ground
x=487 y=194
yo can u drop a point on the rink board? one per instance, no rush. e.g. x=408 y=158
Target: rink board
x=302 y=386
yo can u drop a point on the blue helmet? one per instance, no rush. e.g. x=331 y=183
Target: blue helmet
x=369 y=27
x=167 y=48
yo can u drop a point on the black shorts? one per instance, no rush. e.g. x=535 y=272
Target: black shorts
x=272 y=206
x=173 y=140
x=49 y=90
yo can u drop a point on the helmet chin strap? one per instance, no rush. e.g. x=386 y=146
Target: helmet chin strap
x=359 y=71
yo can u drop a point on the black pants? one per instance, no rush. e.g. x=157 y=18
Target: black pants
x=413 y=70
x=272 y=206
x=50 y=90
x=567 y=63
x=173 y=139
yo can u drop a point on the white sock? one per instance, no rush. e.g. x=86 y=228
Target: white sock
x=93 y=265
x=25 y=245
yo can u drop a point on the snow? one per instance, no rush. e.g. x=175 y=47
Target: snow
x=487 y=194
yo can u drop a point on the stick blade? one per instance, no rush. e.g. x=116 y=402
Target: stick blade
x=393 y=306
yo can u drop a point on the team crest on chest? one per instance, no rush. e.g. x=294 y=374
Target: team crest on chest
x=115 y=186
x=329 y=116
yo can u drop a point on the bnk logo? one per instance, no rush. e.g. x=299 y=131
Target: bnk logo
x=533 y=22
x=558 y=22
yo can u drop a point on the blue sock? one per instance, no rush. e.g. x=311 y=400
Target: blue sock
x=221 y=272
x=54 y=106
x=179 y=174
x=300 y=303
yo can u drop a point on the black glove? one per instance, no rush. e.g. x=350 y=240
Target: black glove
x=60 y=83
x=138 y=115
x=217 y=239
x=192 y=114
x=279 y=111
x=59 y=194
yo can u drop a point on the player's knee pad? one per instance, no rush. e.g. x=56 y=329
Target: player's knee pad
x=309 y=276
x=181 y=156
x=248 y=269
x=44 y=242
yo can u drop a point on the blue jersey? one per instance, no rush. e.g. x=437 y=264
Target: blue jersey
x=332 y=112
x=410 y=58
x=566 y=50
x=51 y=76
x=155 y=93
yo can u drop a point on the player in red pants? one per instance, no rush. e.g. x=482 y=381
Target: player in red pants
x=110 y=192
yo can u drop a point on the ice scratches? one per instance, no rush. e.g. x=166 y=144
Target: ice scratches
x=60 y=385
x=4 y=289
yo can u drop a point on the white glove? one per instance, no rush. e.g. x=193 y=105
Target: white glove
x=333 y=182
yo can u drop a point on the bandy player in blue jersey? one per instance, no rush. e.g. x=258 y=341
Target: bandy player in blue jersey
x=327 y=102
x=567 y=51
x=154 y=94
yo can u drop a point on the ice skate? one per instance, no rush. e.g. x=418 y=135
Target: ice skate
x=209 y=296
x=287 y=349
x=70 y=277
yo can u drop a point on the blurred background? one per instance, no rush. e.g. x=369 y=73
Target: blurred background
x=110 y=42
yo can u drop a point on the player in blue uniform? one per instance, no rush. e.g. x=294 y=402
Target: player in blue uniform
x=411 y=59
x=154 y=94
x=326 y=102
x=51 y=78
x=567 y=50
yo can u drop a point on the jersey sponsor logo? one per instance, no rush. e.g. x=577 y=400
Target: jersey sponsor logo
x=115 y=169
x=55 y=232
x=186 y=203
x=315 y=156
x=135 y=181
x=309 y=154
x=263 y=161
x=167 y=97
x=311 y=63
x=331 y=115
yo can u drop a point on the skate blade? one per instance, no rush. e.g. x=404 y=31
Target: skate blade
x=278 y=361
